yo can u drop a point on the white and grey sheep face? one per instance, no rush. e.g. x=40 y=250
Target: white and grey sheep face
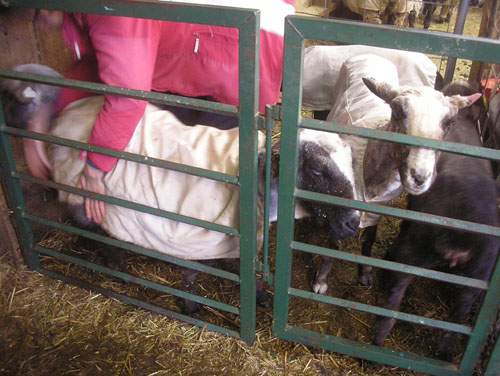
x=422 y=112
x=325 y=166
x=22 y=100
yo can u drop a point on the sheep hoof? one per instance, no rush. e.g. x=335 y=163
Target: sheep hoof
x=188 y=307
x=366 y=279
x=320 y=288
x=263 y=298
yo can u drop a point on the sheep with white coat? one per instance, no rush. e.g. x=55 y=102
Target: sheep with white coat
x=159 y=134
x=383 y=170
x=322 y=65
x=395 y=12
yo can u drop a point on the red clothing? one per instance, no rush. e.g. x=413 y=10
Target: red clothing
x=186 y=59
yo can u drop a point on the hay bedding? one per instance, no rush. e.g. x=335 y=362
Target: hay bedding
x=54 y=328
x=51 y=328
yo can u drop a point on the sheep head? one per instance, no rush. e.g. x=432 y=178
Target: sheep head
x=416 y=111
x=30 y=106
x=25 y=103
x=325 y=166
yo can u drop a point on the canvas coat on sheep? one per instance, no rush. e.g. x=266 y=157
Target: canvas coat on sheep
x=355 y=105
x=160 y=135
x=322 y=66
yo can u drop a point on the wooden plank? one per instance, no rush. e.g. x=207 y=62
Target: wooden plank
x=9 y=246
x=21 y=42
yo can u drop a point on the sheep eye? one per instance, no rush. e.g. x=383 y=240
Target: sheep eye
x=317 y=172
x=398 y=107
x=446 y=123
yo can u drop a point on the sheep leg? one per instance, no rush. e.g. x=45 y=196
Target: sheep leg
x=466 y=297
x=365 y=272
x=263 y=297
x=428 y=11
x=189 y=276
x=320 y=285
x=397 y=291
x=397 y=19
x=412 y=18
x=372 y=16
x=479 y=267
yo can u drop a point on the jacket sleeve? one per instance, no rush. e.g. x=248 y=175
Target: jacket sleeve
x=126 y=50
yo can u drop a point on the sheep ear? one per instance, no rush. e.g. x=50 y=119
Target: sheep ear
x=381 y=89
x=464 y=101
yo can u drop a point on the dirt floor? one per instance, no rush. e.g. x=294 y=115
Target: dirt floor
x=52 y=328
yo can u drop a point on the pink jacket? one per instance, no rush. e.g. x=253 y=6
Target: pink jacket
x=186 y=59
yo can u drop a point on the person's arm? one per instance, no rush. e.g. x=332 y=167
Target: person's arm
x=126 y=50
x=81 y=70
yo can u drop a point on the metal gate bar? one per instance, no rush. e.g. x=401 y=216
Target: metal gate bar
x=139 y=303
x=494 y=362
x=248 y=24
x=297 y=29
x=134 y=248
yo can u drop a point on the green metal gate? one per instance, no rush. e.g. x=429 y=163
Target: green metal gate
x=297 y=29
x=248 y=24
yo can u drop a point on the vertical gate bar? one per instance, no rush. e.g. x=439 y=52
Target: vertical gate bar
x=15 y=196
x=269 y=125
x=494 y=362
x=485 y=319
x=459 y=29
x=249 y=107
x=292 y=99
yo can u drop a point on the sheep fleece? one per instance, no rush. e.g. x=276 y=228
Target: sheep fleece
x=159 y=135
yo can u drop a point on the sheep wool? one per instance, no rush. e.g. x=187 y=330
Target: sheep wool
x=159 y=134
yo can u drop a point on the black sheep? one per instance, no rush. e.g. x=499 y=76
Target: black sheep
x=464 y=189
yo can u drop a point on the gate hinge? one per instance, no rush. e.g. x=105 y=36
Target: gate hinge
x=265 y=123
x=263 y=269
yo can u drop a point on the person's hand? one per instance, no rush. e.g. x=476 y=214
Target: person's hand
x=36 y=158
x=92 y=180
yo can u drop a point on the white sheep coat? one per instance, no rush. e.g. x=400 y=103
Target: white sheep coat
x=322 y=66
x=159 y=134
x=396 y=6
x=356 y=105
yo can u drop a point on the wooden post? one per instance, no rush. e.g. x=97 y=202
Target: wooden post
x=9 y=246
x=488 y=29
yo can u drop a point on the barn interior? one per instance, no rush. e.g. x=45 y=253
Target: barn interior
x=50 y=327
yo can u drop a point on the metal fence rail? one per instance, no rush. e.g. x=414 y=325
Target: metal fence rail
x=297 y=29
x=248 y=24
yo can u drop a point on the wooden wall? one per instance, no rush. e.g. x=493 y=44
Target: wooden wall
x=21 y=42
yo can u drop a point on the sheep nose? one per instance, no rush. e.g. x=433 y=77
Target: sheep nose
x=417 y=178
x=351 y=225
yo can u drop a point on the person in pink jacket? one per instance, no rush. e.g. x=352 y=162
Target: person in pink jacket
x=184 y=59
